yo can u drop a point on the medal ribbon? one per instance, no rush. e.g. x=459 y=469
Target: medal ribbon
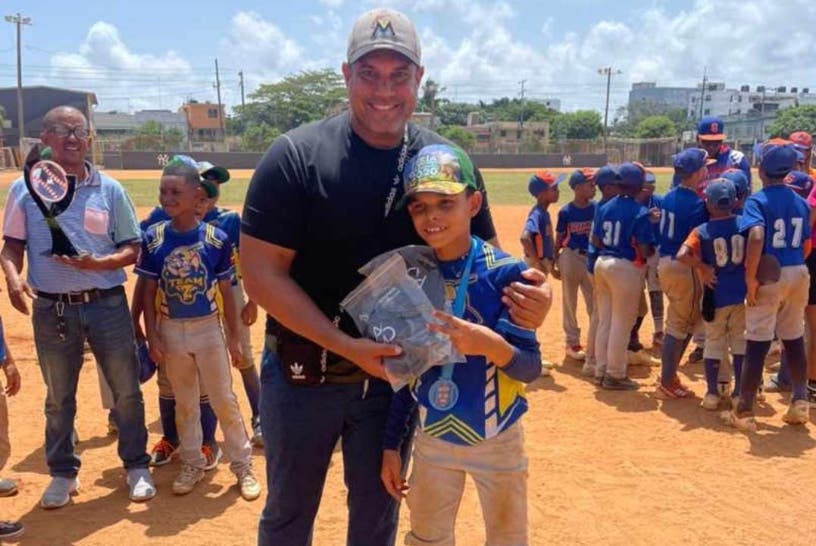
x=461 y=296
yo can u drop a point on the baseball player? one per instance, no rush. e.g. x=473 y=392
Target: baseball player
x=648 y=199
x=606 y=179
x=803 y=142
x=711 y=138
x=571 y=241
x=778 y=224
x=680 y=212
x=624 y=238
x=716 y=249
x=741 y=184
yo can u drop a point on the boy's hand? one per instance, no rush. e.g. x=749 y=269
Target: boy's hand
x=555 y=270
x=654 y=215
x=155 y=347
x=472 y=339
x=707 y=275
x=753 y=286
x=234 y=348
x=249 y=314
x=12 y=377
x=391 y=474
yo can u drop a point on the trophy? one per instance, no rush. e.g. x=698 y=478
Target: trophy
x=53 y=191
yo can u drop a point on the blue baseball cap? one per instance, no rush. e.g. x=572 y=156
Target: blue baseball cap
x=146 y=365
x=721 y=193
x=631 y=174
x=543 y=180
x=739 y=179
x=606 y=175
x=581 y=176
x=711 y=128
x=799 y=181
x=778 y=157
x=690 y=160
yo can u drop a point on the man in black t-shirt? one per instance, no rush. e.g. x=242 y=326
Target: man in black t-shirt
x=320 y=205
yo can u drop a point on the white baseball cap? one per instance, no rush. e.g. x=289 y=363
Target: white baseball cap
x=384 y=28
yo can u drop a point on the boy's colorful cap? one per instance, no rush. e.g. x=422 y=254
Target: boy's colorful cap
x=802 y=140
x=580 y=176
x=210 y=188
x=738 y=178
x=631 y=174
x=721 y=193
x=711 y=128
x=606 y=175
x=691 y=160
x=799 y=181
x=438 y=168
x=208 y=171
x=650 y=178
x=778 y=157
x=543 y=180
x=384 y=29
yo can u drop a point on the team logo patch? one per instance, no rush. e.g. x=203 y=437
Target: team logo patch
x=383 y=29
x=184 y=274
x=715 y=127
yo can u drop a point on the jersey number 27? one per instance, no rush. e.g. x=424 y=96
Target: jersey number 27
x=779 y=239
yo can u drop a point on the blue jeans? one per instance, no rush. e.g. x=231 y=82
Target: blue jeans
x=107 y=326
x=301 y=426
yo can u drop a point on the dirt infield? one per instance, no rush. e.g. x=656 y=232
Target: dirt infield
x=605 y=467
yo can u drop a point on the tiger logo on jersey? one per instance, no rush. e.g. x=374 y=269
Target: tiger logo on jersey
x=184 y=274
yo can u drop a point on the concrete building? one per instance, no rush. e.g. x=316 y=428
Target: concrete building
x=37 y=101
x=661 y=98
x=717 y=100
x=508 y=137
x=205 y=126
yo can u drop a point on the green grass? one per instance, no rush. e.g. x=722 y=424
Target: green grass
x=503 y=188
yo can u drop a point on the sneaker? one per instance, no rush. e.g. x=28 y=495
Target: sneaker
x=113 y=428
x=641 y=358
x=576 y=352
x=696 y=355
x=657 y=339
x=11 y=529
x=141 y=485
x=614 y=384
x=257 y=434
x=187 y=479
x=59 y=491
x=674 y=390
x=710 y=401
x=8 y=488
x=588 y=369
x=249 y=485
x=212 y=456
x=798 y=413
x=162 y=453
x=745 y=423
x=773 y=384
x=546 y=368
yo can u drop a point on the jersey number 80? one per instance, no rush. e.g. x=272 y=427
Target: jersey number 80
x=721 y=254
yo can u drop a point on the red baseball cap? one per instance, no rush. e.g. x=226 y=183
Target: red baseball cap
x=801 y=140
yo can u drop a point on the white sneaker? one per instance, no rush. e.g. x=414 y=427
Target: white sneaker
x=187 y=479
x=641 y=358
x=588 y=369
x=710 y=402
x=546 y=368
x=798 y=413
x=59 y=491
x=576 y=352
x=745 y=424
x=249 y=485
x=141 y=485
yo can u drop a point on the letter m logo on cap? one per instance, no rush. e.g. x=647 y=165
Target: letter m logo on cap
x=383 y=29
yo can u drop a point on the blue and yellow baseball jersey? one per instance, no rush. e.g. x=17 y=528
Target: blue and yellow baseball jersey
x=785 y=217
x=620 y=225
x=681 y=210
x=490 y=401
x=538 y=222
x=721 y=244
x=187 y=266
x=576 y=223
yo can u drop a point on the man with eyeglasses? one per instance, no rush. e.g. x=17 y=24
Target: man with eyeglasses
x=75 y=299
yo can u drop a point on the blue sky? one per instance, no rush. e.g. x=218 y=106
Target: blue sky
x=151 y=54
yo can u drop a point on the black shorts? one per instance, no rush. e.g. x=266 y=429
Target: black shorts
x=811 y=265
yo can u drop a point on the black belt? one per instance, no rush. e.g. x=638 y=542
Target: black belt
x=84 y=296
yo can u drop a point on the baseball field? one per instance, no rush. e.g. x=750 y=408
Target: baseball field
x=605 y=467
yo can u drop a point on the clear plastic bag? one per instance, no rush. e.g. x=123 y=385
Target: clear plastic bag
x=390 y=307
x=421 y=265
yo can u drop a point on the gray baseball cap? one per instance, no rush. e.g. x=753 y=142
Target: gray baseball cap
x=384 y=29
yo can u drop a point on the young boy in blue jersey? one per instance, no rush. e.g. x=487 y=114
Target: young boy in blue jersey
x=606 y=180
x=680 y=211
x=778 y=224
x=470 y=411
x=571 y=241
x=716 y=250
x=537 y=237
x=623 y=235
x=186 y=261
x=648 y=199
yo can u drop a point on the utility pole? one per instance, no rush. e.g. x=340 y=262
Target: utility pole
x=19 y=20
x=607 y=71
x=521 y=114
x=243 y=103
x=220 y=108
x=702 y=92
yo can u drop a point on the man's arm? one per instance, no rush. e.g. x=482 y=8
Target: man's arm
x=268 y=283
x=11 y=260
